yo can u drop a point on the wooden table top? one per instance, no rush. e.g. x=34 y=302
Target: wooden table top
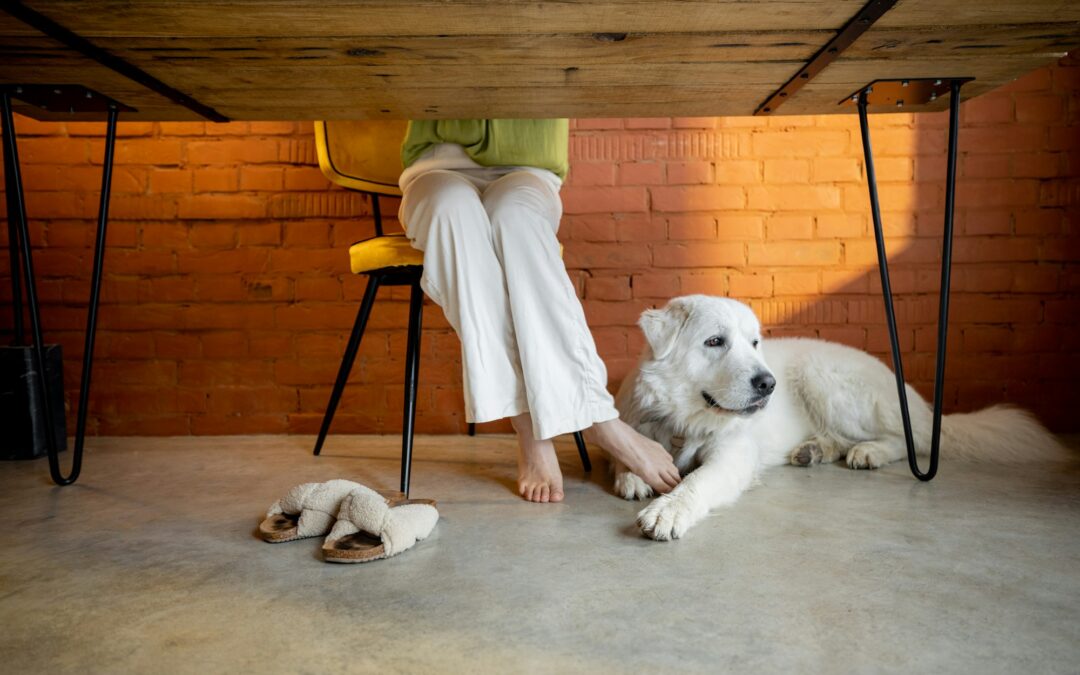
x=399 y=59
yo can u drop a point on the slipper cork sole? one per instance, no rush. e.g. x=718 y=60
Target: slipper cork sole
x=363 y=546
x=279 y=528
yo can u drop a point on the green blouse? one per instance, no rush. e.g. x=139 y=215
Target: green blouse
x=538 y=143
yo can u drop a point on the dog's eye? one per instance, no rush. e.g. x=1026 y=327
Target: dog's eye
x=715 y=341
x=756 y=343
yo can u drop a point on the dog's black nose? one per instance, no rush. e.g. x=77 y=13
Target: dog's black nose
x=764 y=383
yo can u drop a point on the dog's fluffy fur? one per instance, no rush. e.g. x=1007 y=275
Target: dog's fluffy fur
x=727 y=404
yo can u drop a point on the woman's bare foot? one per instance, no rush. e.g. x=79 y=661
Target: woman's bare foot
x=643 y=456
x=539 y=477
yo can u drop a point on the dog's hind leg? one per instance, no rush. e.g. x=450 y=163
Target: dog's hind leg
x=876 y=453
x=817 y=450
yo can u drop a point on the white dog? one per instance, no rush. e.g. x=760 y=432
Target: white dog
x=726 y=404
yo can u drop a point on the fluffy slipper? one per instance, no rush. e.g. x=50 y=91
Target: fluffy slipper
x=370 y=526
x=307 y=510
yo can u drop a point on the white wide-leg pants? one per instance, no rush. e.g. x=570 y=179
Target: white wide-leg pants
x=493 y=263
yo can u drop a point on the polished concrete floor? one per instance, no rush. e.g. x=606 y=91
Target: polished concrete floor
x=150 y=564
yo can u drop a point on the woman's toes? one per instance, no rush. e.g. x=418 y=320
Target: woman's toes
x=556 y=495
x=544 y=495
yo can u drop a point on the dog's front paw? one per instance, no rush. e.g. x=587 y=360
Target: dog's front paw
x=630 y=486
x=806 y=454
x=665 y=518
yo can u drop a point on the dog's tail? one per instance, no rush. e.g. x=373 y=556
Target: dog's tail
x=999 y=434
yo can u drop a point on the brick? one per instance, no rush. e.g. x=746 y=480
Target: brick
x=796 y=283
x=691 y=226
x=750 y=285
x=694 y=198
x=986 y=166
x=182 y=128
x=592 y=173
x=604 y=199
x=655 y=285
x=787 y=171
x=214 y=206
x=648 y=123
x=274 y=128
x=224 y=344
x=770 y=197
x=216 y=180
x=840 y=225
x=977 y=222
x=589 y=228
x=740 y=226
x=600 y=256
x=141 y=151
x=801 y=253
x=231 y=152
x=170 y=180
x=726 y=254
x=836 y=170
x=789 y=226
x=735 y=172
x=804 y=143
x=986 y=111
x=305 y=178
x=213 y=235
x=693 y=122
x=708 y=283
x=1037 y=165
x=641 y=173
x=689 y=173
x=598 y=124
x=1040 y=108
x=262 y=178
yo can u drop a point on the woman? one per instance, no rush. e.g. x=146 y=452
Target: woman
x=481 y=200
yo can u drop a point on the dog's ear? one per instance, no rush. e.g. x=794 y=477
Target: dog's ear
x=662 y=327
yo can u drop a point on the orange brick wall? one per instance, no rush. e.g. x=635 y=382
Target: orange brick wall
x=227 y=299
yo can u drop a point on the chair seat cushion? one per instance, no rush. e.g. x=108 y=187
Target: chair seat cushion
x=379 y=252
x=392 y=250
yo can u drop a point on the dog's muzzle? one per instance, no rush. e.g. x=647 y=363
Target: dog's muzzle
x=756 y=405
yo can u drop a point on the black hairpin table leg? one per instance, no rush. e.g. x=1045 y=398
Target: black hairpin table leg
x=946 y=262
x=14 y=187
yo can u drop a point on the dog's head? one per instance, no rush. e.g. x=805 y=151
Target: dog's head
x=706 y=358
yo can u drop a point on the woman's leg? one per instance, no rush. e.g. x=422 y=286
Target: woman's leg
x=565 y=380
x=443 y=217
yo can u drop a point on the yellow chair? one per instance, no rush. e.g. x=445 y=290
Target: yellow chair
x=365 y=155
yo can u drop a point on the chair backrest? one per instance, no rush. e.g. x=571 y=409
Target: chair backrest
x=362 y=154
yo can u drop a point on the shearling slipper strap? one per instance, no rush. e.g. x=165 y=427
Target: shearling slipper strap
x=307 y=510
x=369 y=528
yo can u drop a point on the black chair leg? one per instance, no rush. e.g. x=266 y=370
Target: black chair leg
x=412 y=374
x=348 y=358
x=472 y=429
x=582 y=451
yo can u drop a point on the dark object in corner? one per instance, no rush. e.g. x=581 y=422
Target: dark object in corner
x=21 y=415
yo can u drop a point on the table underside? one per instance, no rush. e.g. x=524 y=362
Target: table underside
x=287 y=60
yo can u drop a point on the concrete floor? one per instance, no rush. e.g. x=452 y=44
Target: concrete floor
x=150 y=564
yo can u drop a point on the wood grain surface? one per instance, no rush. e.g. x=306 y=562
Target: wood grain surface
x=278 y=59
